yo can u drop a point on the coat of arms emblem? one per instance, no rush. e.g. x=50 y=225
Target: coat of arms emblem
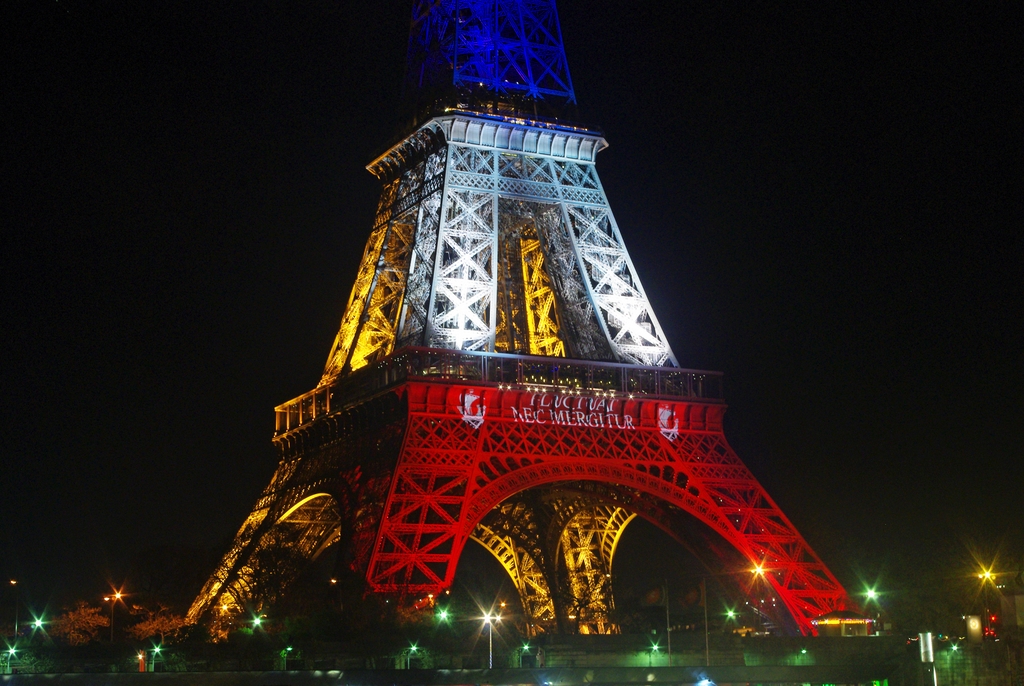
x=472 y=408
x=668 y=423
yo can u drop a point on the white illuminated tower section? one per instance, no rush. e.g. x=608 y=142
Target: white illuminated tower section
x=493 y=232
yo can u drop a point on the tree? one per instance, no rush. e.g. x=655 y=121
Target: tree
x=273 y=567
x=156 y=622
x=80 y=624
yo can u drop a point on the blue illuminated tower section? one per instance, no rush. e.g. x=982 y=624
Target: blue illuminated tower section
x=488 y=50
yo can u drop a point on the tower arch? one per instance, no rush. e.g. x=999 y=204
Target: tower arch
x=498 y=441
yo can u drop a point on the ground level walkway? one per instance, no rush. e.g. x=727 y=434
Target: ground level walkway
x=866 y=675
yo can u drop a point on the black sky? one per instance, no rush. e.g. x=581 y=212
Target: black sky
x=823 y=201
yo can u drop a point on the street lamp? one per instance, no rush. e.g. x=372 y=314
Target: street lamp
x=758 y=585
x=522 y=651
x=989 y=586
x=14 y=587
x=490 y=621
x=112 y=599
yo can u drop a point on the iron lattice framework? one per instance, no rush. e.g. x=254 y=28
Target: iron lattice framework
x=496 y=236
x=500 y=47
x=499 y=373
x=574 y=589
x=439 y=439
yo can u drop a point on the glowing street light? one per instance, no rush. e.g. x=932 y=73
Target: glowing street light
x=112 y=599
x=14 y=588
x=987 y=577
x=442 y=614
x=651 y=653
x=523 y=651
x=156 y=654
x=872 y=594
x=490 y=621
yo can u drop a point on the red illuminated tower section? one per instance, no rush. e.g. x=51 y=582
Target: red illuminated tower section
x=499 y=374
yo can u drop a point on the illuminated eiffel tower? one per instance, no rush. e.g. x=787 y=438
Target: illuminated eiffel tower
x=499 y=373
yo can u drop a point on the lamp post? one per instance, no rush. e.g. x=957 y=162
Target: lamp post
x=989 y=588
x=758 y=585
x=489 y=621
x=14 y=587
x=112 y=599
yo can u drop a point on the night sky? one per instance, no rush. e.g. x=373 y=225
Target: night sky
x=823 y=201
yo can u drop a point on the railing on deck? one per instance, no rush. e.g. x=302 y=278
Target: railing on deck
x=493 y=369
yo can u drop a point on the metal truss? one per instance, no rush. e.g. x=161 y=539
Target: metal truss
x=502 y=244
x=388 y=298
x=511 y=47
x=557 y=546
x=452 y=472
x=580 y=247
x=264 y=560
x=321 y=494
x=588 y=545
x=527 y=576
x=413 y=471
x=527 y=316
x=539 y=305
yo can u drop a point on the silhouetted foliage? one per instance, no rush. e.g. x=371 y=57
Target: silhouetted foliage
x=156 y=621
x=80 y=624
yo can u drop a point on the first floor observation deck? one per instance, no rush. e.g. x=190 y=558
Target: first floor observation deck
x=501 y=370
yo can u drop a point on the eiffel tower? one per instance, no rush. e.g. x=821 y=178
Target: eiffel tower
x=499 y=374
